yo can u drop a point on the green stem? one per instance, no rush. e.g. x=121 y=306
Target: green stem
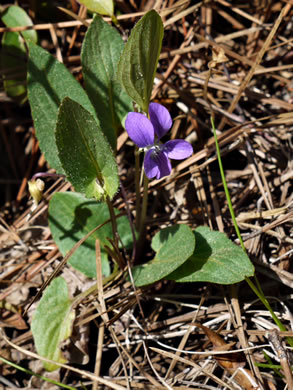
x=113 y=219
x=115 y=20
x=226 y=187
x=144 y=205
x=256 y=289
x=137 y=187
x=29 y=372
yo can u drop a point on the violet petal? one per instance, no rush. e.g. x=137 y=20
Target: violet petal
x=139 y=129
x=160 y=118
x=177 y=149
x=156 y=164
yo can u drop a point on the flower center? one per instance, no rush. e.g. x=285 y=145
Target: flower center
x=156 y=150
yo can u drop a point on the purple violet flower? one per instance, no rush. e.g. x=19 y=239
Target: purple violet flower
x=146 y=133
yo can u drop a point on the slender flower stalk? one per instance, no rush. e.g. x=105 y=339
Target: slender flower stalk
x=137 y=187
x=144 y=205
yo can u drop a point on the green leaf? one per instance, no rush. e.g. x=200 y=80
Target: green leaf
x=13 y=66
x=52 y=322
x=173 y=246
x=84 y=152
x=71 y=217
x=103 y=7
x=13 y=54
x=216 y=259
x=139 y=59
x=100 y=54
x=49 y=82
x=15 y=16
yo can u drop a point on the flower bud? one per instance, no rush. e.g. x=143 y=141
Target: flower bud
x=36 y=188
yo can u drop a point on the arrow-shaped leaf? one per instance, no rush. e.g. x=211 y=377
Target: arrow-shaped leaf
x=49 y=82
x=84 y=152
x=52 y=322
x=139 y=59
x=100 y=54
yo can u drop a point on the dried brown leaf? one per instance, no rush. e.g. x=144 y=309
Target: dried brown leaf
x=233 y=363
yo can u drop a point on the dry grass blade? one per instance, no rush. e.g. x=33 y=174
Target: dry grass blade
x=259 y=57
